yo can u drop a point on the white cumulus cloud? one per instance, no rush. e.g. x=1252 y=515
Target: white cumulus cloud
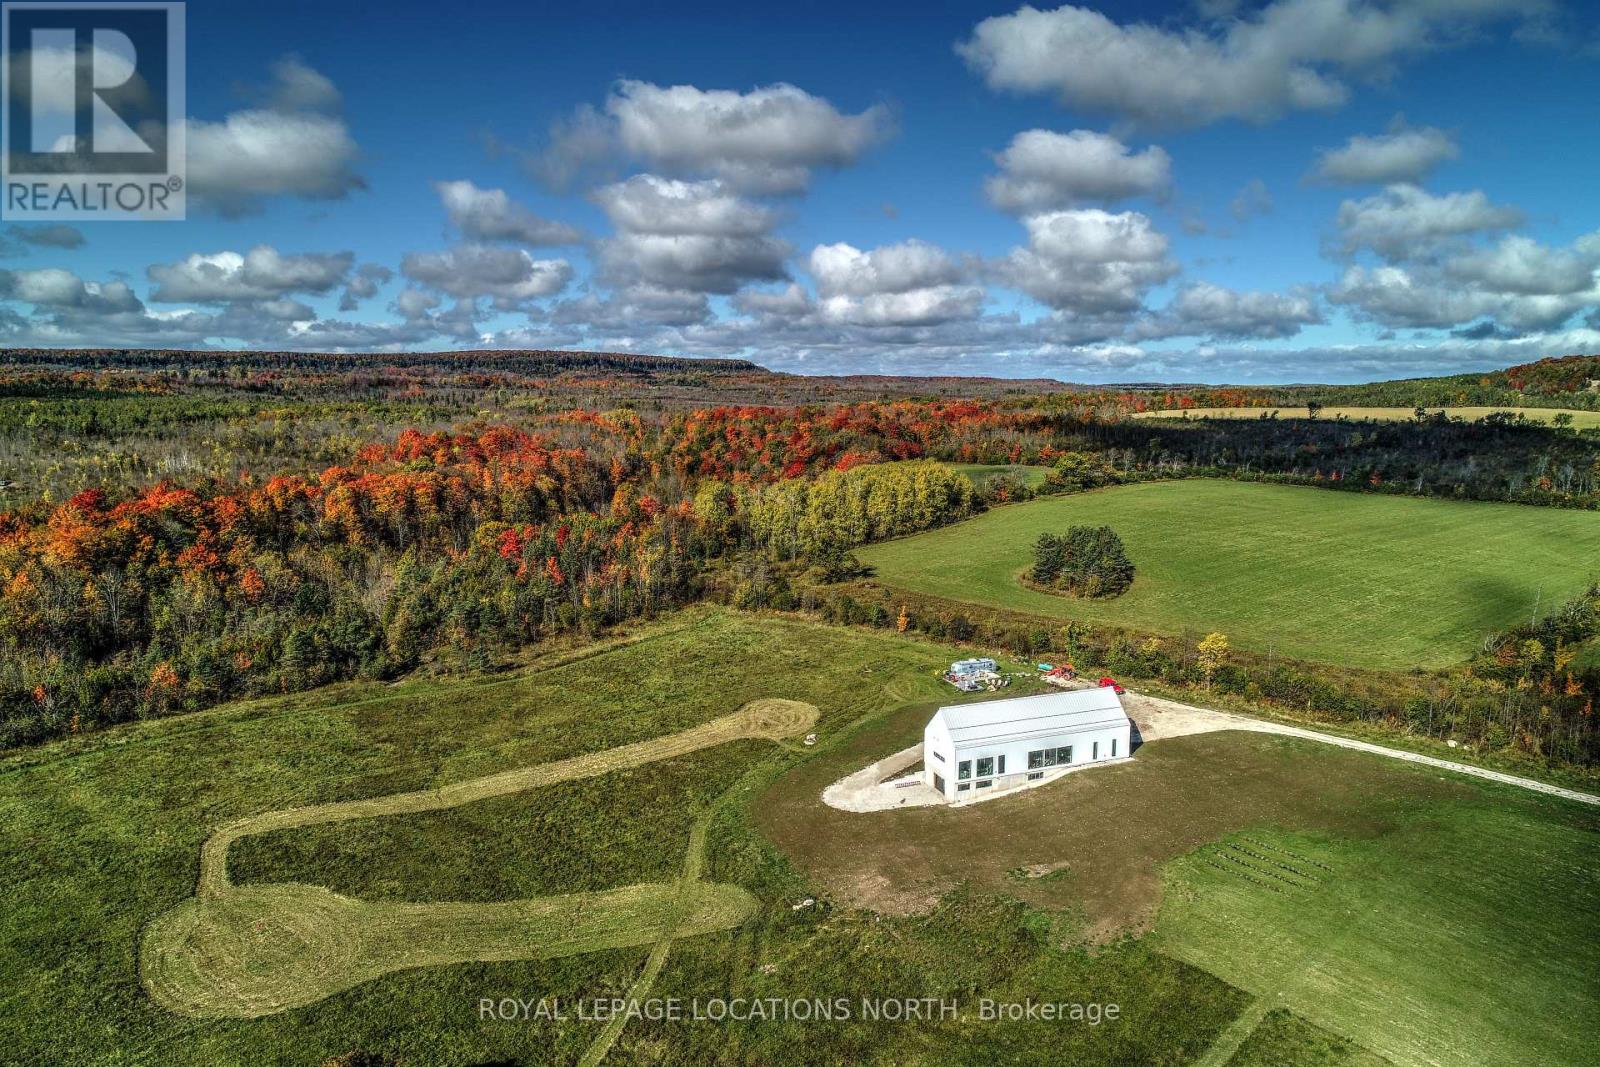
x=491 y=215
x=263 y=273
x=1287 y=55
x=510 y=277
x=1402 y=155
x=1042 y=169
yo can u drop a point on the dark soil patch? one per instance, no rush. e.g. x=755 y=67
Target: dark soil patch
x=1112 y=827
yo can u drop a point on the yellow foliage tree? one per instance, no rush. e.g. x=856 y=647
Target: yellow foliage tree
x=902 y=621
x=1213 y=650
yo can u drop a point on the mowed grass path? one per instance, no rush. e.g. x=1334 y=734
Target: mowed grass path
x=100 y=835
x=255 y=951
x=1581 y=419
x=1381 y=581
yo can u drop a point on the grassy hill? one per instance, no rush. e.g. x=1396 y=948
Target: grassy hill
x=1380 y=581
x=101 y=834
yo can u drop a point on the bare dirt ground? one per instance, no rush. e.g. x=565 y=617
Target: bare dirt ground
x=1105 y=834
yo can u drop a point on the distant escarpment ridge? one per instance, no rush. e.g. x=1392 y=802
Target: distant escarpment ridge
x=536 y=363
x=519 y=361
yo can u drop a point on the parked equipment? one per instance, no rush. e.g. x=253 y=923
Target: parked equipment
x=1061 y=676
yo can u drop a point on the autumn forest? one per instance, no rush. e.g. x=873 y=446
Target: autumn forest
x=184 y=529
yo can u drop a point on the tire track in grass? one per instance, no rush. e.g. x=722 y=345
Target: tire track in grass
x=693 y=863
x=1235 y=1034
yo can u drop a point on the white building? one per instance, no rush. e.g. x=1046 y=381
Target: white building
x=1003 y=744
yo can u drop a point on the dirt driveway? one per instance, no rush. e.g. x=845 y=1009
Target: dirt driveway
x=876 y=787
x=1156 y=718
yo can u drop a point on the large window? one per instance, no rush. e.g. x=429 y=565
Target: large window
x=1049 y=757
x=985 y=766
x=963 y=770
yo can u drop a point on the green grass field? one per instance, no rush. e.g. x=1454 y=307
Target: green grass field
x=1583 y=420
x=1283 y=1039
x=1434 y=915
x=1381 y=581
x=244 y=952
x=1032 y=477
x=101 y=836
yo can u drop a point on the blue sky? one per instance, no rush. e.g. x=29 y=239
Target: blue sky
x=1303 y=189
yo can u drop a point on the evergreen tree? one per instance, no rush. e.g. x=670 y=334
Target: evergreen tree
x=1089 y=561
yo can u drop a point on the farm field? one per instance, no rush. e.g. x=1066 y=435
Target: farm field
x=1429 y=914
x=1583 y=420
x=1367 y=580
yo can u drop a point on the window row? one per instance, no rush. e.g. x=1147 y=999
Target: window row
x=988 y=767
x=1050 y=757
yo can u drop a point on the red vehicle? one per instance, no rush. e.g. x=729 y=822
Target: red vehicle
x=1113 y=684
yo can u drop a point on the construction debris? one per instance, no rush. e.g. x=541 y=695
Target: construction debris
x=1060 y=676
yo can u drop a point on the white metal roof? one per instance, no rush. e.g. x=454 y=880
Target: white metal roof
x=1048 y=714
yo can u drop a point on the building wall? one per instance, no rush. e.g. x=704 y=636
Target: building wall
x=936 y=739
x=1016 y=754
